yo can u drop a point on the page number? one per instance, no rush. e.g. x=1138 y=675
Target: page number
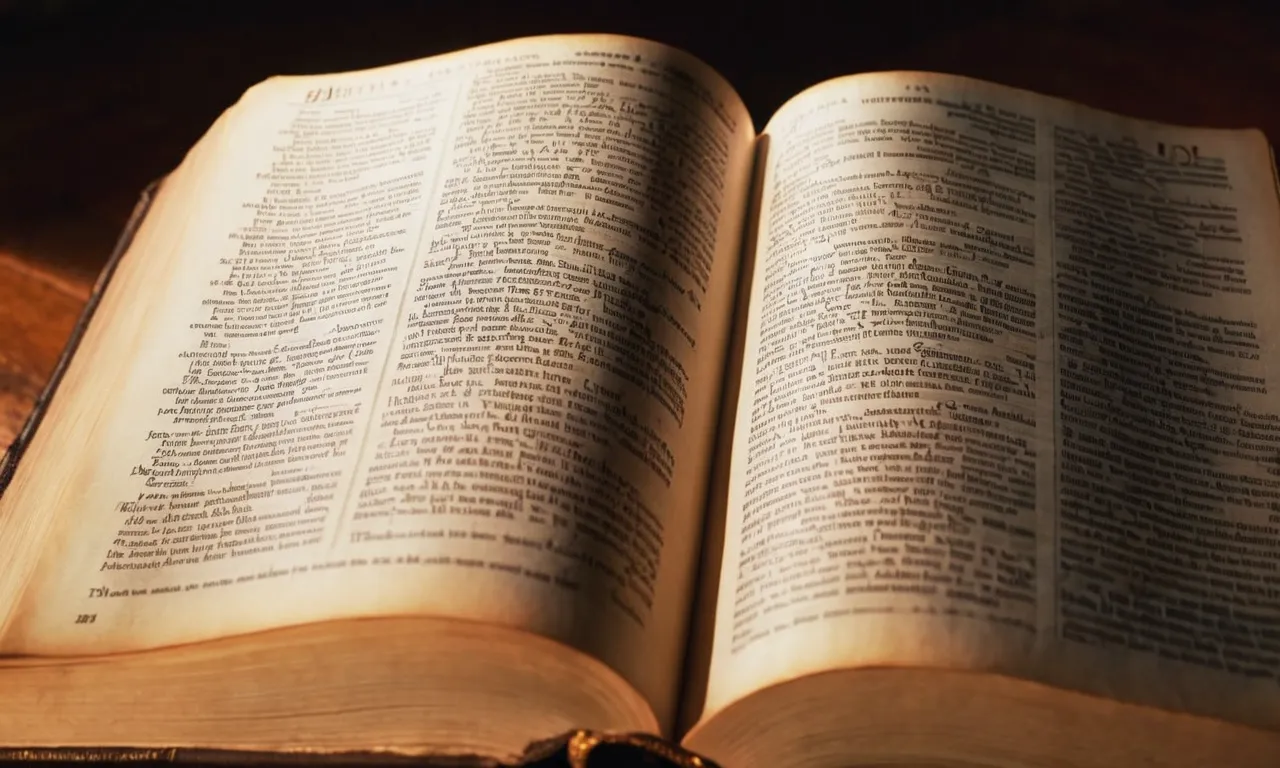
x=86 y=618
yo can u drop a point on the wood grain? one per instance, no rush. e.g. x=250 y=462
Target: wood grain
x=37 y=313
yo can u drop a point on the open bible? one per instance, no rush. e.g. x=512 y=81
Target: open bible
x=446 y=406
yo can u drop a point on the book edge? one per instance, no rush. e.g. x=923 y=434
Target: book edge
x=575 y=749
x=13 y=454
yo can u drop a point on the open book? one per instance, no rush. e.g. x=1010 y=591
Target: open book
x=446 y=406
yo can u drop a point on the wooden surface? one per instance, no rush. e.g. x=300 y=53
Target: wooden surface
x=37 y=312
x=101 y=97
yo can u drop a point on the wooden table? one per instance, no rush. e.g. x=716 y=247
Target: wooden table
x=37 y=311
x=102 y=97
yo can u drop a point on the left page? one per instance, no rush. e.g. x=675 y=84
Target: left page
x=443 y=338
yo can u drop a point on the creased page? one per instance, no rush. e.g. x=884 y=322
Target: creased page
x=445 y=338
x=974 y=432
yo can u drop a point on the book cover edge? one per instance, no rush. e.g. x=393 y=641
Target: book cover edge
x=575 y=749
x=13 y=454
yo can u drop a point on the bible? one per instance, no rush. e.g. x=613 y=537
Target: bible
x=439 y=408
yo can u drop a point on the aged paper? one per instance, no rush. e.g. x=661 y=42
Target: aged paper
x=975 y=430
x=444 y=338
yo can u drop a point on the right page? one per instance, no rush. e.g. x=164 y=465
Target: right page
x=1005 y=402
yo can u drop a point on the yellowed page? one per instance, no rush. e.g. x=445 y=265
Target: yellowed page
x=93 y=372
x=442 y=338
x=1005 y=401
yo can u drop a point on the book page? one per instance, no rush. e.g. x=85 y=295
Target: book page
x=1004 y=400
x=442 y=338
x=1166 y=554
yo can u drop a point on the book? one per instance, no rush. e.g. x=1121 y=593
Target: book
x=440 y=408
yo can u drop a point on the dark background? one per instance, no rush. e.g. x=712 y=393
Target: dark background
x=98 y=97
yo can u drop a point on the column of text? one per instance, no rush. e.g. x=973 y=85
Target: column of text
x=251 y=447
x=890 y=462
x=1168 y=436
x=530 y=424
